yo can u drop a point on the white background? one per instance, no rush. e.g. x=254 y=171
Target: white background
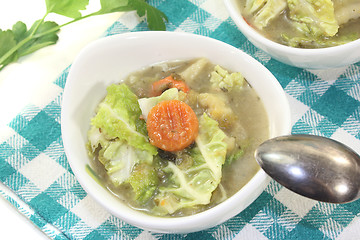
x=21 y=82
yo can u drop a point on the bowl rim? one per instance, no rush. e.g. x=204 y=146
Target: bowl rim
x=235 y=14
x=155 y=223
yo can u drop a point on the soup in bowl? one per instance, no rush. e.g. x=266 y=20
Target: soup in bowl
x=307 y=34
x=160 y=128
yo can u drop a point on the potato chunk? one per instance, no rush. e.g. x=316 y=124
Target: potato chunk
x=218 y=108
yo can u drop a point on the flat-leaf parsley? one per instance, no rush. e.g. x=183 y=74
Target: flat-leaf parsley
x=20 y=41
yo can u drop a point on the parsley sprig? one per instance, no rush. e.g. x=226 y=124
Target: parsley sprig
x=20 y=41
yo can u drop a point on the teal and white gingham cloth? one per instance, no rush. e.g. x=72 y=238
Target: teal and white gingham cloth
x=37 y=179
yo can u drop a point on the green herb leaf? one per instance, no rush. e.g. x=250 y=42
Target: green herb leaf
x=7 y=42
x=68 y=8
x=42 y=37
x=154 y=17
x=19 y=29
x=109 y=6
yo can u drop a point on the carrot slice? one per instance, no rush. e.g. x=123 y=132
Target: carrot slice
x=158 y=87
x=172 y=125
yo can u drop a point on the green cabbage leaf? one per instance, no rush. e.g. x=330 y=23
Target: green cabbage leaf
x=308 y=41
x=264 y=10
x=316 y=23
x=118 y=117
x=252 y=6
x=118 y=157
x=314 y=17
x=144 y=182
x=194 y=185
x=125 y=164
x=118 y=136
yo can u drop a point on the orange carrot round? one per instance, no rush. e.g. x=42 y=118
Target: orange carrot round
x=158 y=87
x=172 y=125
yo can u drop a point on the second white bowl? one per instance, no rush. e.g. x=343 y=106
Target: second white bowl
x=321 y=58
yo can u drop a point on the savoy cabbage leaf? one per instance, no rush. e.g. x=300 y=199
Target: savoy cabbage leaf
x=194 y=185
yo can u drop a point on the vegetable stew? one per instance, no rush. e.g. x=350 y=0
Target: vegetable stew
x=177 y=138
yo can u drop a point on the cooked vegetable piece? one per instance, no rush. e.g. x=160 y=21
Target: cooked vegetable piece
x=264 y=10
x=315 y=23
x=118 y=116
x=119 y=159
x=158 y=87
x=305 y=23
x=253 y=5
x=172 y=125
x=308 y=41
x=346 y=10
x=194 y=185
x=314 y=17
x=144 y=181
x=120 y=134
x=236 y=155
x=146 y=104
x=218 y=108
x=191 y=73
x=226 y=81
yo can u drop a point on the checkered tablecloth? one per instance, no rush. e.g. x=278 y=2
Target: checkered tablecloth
x=37 y=179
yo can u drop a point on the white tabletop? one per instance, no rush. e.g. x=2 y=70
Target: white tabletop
x=31 y=73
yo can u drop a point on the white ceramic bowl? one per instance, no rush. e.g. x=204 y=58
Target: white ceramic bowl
x=108 y=61
x=324 y=58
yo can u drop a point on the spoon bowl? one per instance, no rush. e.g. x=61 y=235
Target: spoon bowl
x=313 y=166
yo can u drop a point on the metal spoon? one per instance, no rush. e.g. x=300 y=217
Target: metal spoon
x=315 y=167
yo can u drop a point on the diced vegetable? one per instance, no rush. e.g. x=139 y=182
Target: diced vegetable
x=236 y=155
x=172 y=125
x=224 y=80
x=218 y=108
x=158 y=87
x=192 y=73
x=194 y=185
